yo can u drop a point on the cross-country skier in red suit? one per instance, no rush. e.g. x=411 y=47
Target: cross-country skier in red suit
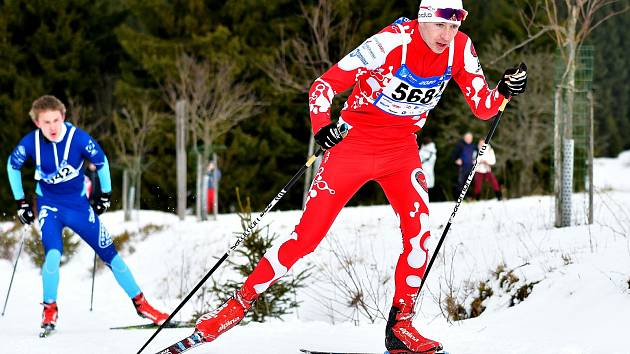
x=399 y=75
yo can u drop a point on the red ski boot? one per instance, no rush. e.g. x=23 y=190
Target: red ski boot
x=401 y=337
x=212 y=324
x=145 y=310
x=49 y=315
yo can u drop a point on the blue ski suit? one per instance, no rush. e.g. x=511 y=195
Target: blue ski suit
x=62 y=200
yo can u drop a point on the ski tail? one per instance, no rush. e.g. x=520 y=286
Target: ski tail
x=183 y=345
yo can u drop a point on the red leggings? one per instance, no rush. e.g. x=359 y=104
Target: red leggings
x=344 y=169
x=480 y=177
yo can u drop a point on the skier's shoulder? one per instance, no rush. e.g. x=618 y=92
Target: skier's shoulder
x=29 y=137
x=78 y=132
x=27 y=143
x=80 y=136
x=24 y=150
x=463 y=43
x=401 y=23
x=465 y=55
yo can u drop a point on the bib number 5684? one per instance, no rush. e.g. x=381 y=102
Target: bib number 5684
x=412 y=95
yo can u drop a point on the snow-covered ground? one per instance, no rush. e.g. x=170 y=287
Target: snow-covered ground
x=580 y=302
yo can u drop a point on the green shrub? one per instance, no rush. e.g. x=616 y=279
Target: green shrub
x=279 y=299
x=9 y=241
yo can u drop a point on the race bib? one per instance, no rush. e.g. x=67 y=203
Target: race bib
x=408 y=95
x=65 y=173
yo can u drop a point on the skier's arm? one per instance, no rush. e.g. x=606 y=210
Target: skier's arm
x=15 y=180
x=370 y=55
x=483 y=102
x=14 y=165
x=94 y=153
x=16 y=160
x=104 y=176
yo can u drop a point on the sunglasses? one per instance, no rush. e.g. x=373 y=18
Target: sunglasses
x=448 y=13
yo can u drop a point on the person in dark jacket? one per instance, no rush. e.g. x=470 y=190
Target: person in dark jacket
x=463 y=157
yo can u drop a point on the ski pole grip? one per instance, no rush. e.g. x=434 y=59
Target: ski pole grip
x=312 y=159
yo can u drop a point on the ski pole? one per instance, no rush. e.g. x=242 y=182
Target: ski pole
x=462 y=194
x=24 y=230
x=93 y=274
x=240 y=239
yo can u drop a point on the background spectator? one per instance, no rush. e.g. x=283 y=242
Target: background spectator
x=484 y=171
x=463 y=157
x=214 y=175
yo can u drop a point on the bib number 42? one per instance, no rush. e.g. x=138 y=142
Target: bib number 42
x=405 y=93
x=62 y=175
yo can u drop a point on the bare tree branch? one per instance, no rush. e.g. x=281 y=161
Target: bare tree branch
x=310 y=54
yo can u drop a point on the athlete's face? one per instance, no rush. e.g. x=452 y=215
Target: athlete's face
x=50 y=123
x=438 y=35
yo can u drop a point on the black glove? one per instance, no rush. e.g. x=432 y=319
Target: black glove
x=102 y=203
x=514 y=81
x=329 y=136
x=25 y=212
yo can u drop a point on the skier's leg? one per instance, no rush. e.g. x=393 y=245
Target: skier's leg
x=53 y=248
x=51 y=228
x=406 y=190
x=340 y=175
x=84 y=221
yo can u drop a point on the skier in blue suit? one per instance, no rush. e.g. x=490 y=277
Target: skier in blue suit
x=59 y=150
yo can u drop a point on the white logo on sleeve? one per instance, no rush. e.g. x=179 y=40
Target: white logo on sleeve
x=104 y=238
x=91 y=148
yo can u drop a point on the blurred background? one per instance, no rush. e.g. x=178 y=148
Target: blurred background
x=234 y=76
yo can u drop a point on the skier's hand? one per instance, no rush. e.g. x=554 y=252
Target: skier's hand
x=329 y=136
x=25 y=212
x=102 y=203
x=514 y=81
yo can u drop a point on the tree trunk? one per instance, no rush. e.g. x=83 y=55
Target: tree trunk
x=138 y=183
x=568 y=144
x=125 y=195
x=591 y=153
x=180 y=116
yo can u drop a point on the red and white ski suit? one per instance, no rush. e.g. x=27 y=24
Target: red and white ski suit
x=394 y=73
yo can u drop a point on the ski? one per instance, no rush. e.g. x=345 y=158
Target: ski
x=183 y=345
x=171 y=324
x=46 y=331
x=306 y=351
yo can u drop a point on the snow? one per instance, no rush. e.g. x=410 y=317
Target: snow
x=580 y=302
